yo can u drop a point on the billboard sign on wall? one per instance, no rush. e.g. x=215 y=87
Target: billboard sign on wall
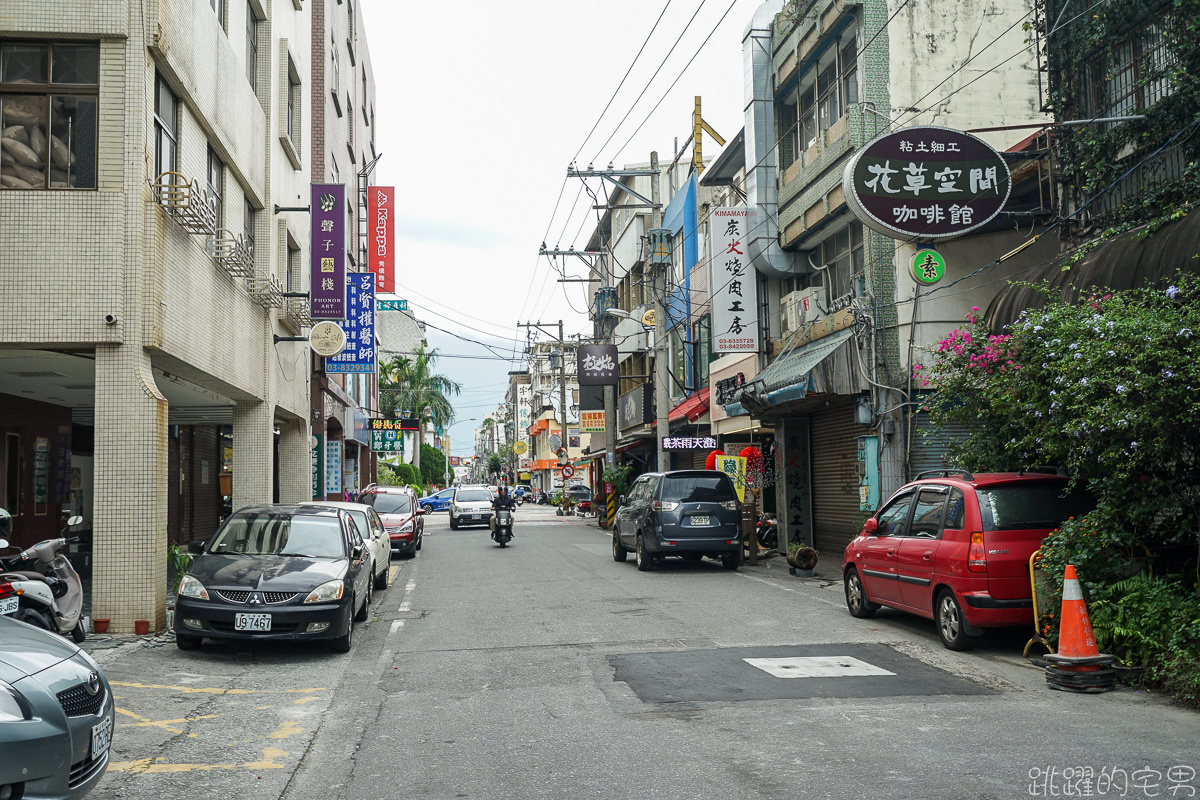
x=733 y=282
x=327 y=288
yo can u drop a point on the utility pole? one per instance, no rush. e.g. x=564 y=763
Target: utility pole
x=660 y=266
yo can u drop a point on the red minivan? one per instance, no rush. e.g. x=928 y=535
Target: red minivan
x=955 y=547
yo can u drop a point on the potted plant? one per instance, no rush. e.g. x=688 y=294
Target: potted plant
x=802 y=558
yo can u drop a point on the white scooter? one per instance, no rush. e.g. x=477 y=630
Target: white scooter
x=50 y=594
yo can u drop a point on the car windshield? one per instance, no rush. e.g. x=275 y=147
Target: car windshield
x=473 y=496
x=1026 y=505
x=280 y=534
x=393 y=504
x=360 y=519
x=698 y=489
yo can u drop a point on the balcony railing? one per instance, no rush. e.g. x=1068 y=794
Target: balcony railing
x=187 y=202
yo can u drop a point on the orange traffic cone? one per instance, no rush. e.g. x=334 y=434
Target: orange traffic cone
x=1078 y=666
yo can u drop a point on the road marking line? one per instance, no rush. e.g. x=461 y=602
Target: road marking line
x=191 y=690
x=159 y=723
x=396 y=625
x=148 y=765
x=392 y=573
x=408 y=590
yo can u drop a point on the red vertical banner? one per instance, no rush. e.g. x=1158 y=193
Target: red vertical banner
x=382 y=258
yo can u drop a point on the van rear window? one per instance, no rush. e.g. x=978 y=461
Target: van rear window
x=1028 y=505
x=698 y=489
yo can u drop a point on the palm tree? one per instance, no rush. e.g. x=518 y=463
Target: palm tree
x=411 y=385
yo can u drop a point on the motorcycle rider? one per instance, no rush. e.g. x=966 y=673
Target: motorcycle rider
x=502 y=501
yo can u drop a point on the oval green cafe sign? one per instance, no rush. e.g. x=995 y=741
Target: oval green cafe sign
x=926 y=183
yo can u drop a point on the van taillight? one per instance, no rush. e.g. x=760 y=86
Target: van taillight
x=976 y=556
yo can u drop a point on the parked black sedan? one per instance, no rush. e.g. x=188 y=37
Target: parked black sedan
x=276 y=572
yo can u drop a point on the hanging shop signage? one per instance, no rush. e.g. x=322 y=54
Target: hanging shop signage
x=524 y=402
x=394 y=424
x=591 y=421
x=359 y=325
x=597 y=364
x=689 y=443
x=382 y=260
x=315 y=445
x=633 y=408
x=387 y=441
x=734 y=282
x=327 y=290
x=928 y=267
x=333 y=466
x=391 y=305
x=926 y=183
x=327 y=339
x=735 y=468
x=729 y=388
x=520 y=448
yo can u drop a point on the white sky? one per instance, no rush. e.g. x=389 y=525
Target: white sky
x=482 y=105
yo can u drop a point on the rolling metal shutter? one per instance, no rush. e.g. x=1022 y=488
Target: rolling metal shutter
x=835 y=478
x=689 y=459
x=930 y=447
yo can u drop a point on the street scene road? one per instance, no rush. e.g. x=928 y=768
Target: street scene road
x=547 y=670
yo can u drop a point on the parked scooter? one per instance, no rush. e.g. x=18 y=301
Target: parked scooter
x=768 y=531
x=50 y=592
x=502 y=530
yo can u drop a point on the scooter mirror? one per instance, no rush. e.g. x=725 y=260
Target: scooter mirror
x=73 y=521
x=3 y=543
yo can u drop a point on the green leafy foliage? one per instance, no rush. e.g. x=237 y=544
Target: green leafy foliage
x=433 y=466
x=1109 y=390
x=619 y=477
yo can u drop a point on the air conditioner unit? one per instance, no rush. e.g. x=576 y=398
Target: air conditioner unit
x=800 y=308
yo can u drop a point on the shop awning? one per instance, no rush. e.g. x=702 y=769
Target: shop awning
x=1125 y=262
x=788 y=378
x=692 y=408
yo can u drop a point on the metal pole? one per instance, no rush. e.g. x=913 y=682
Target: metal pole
x=661 y=393
x=562 y=401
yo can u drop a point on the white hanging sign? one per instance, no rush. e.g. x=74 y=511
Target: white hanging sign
x=733 y=282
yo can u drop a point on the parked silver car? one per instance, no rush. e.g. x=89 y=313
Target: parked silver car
x=56 y=715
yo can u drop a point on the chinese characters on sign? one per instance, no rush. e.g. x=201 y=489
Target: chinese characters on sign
x=591 y=421
x=359 y=325
x=597 y=364
x=382 y=260
x=391 y=305
x=734 y=282
x=927 y=183
x=394 y=424
x=333 y=466
x=327 y=290
x=928 y=267
x=689 y=443
x=387 y=434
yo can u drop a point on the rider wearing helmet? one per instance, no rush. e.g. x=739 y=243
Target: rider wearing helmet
x=501 y=501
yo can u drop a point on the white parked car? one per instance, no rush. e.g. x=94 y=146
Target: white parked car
x=470 y=506
x=370 y=527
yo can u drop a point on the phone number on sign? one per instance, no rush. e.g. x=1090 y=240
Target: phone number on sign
x=724 y=343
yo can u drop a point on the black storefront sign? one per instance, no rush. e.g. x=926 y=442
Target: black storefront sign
x=926 y=183
x=633 y=408
x=597 y=364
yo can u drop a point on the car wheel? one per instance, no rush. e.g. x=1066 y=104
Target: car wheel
x=645 y=562
x=731 y=561
x=453 y=523
x=949 y=619
x=381 y=580
x=619 y=551
x=184 y=642
x=78 y=634
x=428 y=509
x=342 y=643
x=856 y=597
x=365 y=610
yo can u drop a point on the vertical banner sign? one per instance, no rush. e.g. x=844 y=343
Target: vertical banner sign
x=383 y=226
x=734 y=282
x=597 y=365
x=327 y=288
x=359 y=325
x=315 y=444
x=333 y=466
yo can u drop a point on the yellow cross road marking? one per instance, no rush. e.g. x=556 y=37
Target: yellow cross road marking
x=392 y=573
x=158 y=723
x=148 y=765
x=193 y=690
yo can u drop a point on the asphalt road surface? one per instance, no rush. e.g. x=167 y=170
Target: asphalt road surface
x=547 y=670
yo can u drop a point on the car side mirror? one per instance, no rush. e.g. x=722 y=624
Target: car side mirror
x=621 y=499
x=420 y=511
x=356 y=551
x=196 y=547
x=871 y=526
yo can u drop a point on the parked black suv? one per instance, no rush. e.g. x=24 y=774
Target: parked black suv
x=689 y=513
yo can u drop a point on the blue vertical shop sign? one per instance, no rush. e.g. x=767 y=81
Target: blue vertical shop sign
x=359 y=325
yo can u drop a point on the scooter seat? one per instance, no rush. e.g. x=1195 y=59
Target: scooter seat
x=20 y=575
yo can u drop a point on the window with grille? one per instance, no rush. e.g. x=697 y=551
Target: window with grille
x=842 y=255
x=824 y=95
x=49 y=96
x=1131 y=77
x=216 y=183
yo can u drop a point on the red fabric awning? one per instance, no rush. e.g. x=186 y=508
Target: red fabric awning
x=693 y=408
